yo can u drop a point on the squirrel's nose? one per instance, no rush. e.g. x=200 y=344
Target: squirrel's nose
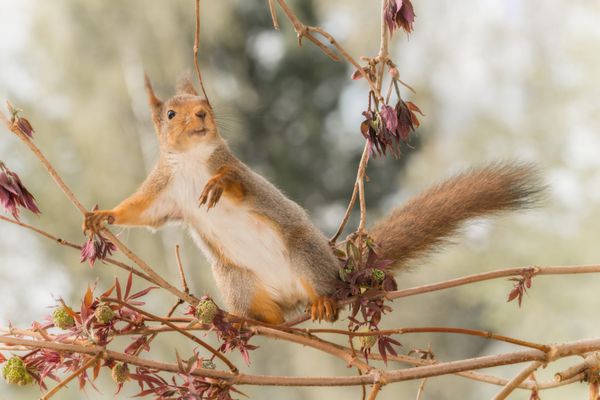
x=201 y=114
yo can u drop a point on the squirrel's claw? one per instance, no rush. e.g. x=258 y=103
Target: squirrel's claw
x=211 y=194
x=94 y=221
x=324 y=308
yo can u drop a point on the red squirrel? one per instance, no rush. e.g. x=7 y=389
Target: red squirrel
x=268 y=259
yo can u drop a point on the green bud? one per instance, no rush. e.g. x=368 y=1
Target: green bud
x=208 y=364
x=15 y=372
x=378 y=275
x=364 y=342
x=206 y=311
x=62 y=319
x=120 y=373
x=104 y=314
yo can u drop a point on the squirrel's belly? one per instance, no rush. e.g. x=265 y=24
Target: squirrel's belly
x=250 y=241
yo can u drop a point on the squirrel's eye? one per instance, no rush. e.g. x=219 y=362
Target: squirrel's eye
x=171 y=114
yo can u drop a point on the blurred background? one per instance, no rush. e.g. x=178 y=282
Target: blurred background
x=496 y=79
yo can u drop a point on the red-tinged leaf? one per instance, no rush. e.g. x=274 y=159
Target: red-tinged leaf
x=393 y=341
x=245 y=355
x=179 y=362
x=129 y=283
x=142 y=292
x=513 y=294
x=364 y=129
x=88 y=298
x=97 y=367
x=413 y=107
x=107 y=293
x=190 y=363
x=2 y=358
x=118 y=287
x=382 y=351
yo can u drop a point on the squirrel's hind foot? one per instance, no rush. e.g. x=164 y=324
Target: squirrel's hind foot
x=323 y=308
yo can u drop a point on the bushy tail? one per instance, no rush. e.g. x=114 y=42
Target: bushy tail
x=431 y=218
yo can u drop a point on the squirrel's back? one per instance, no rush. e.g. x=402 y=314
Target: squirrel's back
x=431 y=218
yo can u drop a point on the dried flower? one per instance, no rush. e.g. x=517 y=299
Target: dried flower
x=206 y=311
x=120 y=373
x=15 y=372
x=104 y=314
x=387 y=128
x=21 y=123
x=62 y=318
x=399 y=14
x=24 y=126
x=13 y=194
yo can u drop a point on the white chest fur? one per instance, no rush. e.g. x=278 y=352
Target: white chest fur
x=246 y=239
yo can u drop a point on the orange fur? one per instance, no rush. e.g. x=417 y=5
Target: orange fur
x=264 y=308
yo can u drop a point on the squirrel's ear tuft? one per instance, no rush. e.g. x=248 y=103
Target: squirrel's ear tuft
x=154 y=102
x=186 y=86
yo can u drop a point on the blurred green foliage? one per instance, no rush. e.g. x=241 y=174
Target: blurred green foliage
x=496 y=79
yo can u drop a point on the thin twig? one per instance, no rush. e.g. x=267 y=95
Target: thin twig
x=77 y=247
x=61 y=184
x=301 y=31
x=561 y=350
x=433 y=329
x=196 y=47
x=484 y=276
x=273 y=15
x=184 y=284
x=383 y=47
x=163 y=321
x=421 y=389
x=514 y=382
x=374 y=391
x=590 y=361
x=315 y=343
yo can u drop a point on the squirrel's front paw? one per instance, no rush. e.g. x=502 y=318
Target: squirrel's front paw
x=94 y=221
x=212 y=193
x=324 y=308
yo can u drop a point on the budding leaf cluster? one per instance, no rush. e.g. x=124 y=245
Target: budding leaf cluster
x=104 y=314
x=95 y=248
x=206 y=310
x=15 y=372
x=62 y=318
x=120 y=373
x=364 y=342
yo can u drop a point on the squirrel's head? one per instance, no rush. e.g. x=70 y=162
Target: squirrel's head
x=184 y=121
